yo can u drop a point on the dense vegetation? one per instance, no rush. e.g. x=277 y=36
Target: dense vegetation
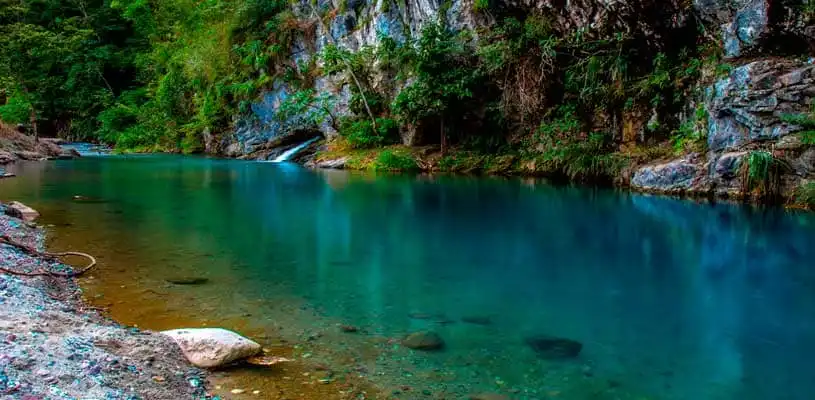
x=137 y=73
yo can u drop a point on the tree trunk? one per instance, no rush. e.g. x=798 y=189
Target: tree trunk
x=443 y=138
x=32 y=115
x=32 y=118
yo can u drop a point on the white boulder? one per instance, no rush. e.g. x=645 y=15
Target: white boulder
x=212 y=347
x=19 y=210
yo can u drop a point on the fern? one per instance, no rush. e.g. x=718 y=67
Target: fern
x=761 y=173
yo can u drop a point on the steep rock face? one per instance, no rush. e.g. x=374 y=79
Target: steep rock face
x=744 y=109
x=741 y=23
x=747 y=105
x=745 y=112
x=362 y=22
x=752 y=27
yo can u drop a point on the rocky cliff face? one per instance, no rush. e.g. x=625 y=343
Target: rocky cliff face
x=745 y=114
x=766 y=43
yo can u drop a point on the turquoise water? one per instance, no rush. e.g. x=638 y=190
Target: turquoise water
x=670 y=299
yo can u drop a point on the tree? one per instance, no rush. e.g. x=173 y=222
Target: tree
x=443 y=76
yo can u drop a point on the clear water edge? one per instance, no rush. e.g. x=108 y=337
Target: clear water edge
x=671 y=299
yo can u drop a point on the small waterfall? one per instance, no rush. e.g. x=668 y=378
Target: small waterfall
x=292 y=151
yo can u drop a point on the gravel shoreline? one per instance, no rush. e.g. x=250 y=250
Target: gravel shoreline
x=53 y=346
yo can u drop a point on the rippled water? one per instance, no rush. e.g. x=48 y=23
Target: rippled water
x=671 y=299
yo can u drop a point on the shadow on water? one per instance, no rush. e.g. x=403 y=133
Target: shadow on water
x=670 y=299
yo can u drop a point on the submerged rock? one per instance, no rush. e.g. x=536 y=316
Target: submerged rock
x=212 y=347
x=86 y=199
x=488 y=396
x=477 y=320
x=19 y=210
x=187 y=280
x=68 y=154
x=423 y=341
x=552 y=348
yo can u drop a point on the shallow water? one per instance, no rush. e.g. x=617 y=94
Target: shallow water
x=671 y=299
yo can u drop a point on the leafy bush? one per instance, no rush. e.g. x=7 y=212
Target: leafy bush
x=16 y=110
x=391 y=160
x=805 y=121
x=761 y=173
x=691 y=133
x=308 y=108
x=583 y=160
x=442 y=75
x=568 y=151
x=805 y=195
x=361 y=134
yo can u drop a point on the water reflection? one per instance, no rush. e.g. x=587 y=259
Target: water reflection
x=671 y=299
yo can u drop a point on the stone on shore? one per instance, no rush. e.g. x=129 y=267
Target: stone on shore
x=423 y=341
x=212 y=347
x=19 y=210
x=553 y=348
x=6 y=157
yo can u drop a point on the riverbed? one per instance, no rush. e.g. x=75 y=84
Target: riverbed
x=671 y=299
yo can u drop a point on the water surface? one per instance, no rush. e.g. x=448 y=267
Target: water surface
x=671 y=299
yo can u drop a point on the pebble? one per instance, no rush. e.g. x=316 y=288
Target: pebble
x=236 y=391
x=256 y=392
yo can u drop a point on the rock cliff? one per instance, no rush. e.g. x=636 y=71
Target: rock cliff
x=750 y=107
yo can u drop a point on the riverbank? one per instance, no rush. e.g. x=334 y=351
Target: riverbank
x=54 y=346
x=648 y=169
x=15 y=145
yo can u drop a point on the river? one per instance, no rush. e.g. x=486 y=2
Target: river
x=671 y=299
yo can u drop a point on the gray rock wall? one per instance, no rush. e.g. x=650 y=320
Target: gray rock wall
x=745 y=112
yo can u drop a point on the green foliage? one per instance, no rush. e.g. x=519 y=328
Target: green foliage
x=805 y=195
x=570 y=152
x=481 y=5
x=691 y=133
x=808 y=9
x=200 y=63
x=761 y=173
x=586 y=159
x=311 y=109
x=58 y=61
x=16 y=110
x=442 y=75
x=806 y=122
x=392 y=160
x=361 y=134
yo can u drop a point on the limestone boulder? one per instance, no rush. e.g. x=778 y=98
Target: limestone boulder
x=19 y=210
x=423 y=341
x=675 y=176
x=6 y=157
x=212 y=347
